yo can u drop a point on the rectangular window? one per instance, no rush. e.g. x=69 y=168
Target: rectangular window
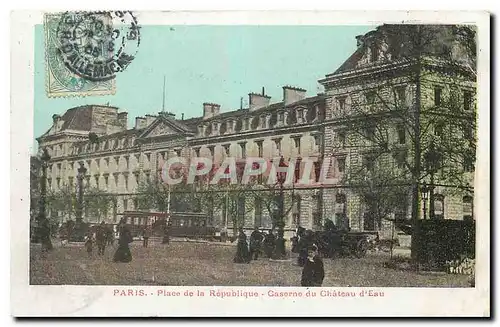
x=342 y=138
x=370 y=97
x=368 y=162
x=317 y=142
x=281 y=118
x=300 y=115
x=341 y=103
x=400 y=158
x=467 y=100
x=278 y=145
x=243 y=149
x=370 y=132
x=341 y=164
x=467 y=130
x=437 y=95
x=258 y=213
x=259 y=146
x=401 y=95
x=438 y=129
x=468 y=163
x=401 y=133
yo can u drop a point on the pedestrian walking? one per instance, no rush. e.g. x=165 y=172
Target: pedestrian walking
x=269 y=243
x=123 y=253
x=89 y=243
x=256 y=239
x=100 y=236
x=313 y=272
x=242 y=253
x=146 y=234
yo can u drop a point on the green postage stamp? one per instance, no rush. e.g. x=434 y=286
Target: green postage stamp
x=84 y=51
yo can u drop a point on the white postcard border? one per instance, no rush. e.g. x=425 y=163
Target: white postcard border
x=29 y=300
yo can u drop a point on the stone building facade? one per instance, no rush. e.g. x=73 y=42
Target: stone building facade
x=376 y=82
x=297 y=126
x=122 y=158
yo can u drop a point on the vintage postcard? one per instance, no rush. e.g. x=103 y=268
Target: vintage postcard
x=250 y=164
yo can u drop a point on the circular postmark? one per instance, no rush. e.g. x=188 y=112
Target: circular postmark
x=97 y=45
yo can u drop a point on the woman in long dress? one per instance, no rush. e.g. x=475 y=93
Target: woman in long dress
x=242 y=252
x=123 y=253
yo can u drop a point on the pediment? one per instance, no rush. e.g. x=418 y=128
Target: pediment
x=164 y=127
x=161 y=128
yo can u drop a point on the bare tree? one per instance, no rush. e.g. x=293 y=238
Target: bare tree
x=396 y=136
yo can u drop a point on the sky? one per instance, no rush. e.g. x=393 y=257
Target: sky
x=218 y=64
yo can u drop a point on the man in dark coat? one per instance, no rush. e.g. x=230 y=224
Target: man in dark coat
x=100 y=238
x=313 y=272
x=256 y=239
x=269 y=243
x=146 y=233
x=242 y=253
x=305 y=241
x=123 y=253
x=110 y=235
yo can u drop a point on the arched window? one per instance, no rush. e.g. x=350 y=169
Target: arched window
x=312 y=113
x=468 y=207
x=208 y=130
x=239 y=125
x=255 y=122
x=223 y=128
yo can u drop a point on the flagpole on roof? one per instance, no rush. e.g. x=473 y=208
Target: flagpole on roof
x=163 y=103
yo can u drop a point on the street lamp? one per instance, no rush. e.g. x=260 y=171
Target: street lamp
x=43 y=223
x=279 y=250
x=432 y=159
x=425 y=195
x=79 y=208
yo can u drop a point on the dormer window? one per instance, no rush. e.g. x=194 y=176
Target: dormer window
x=281 y=118
x=300 y=116
x=263 y=121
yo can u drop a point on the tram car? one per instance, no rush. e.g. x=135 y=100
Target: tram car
x=180 y=224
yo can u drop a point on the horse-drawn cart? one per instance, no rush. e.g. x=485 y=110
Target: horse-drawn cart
x=336 y=243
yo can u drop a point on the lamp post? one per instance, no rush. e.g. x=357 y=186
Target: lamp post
x=79 y=207
x=43 y=223
x=425 y=194
x=432 y=159
x=279 y=250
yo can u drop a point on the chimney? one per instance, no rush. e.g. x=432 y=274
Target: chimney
x=140 y=123
x=165 y=114
x=122 y=119
x=360 y=40
x=150 y=119
x=257 y=101
x=210 y=110
x=55 y=118
x=182 y=116
x=57 y=123
x=293 y=94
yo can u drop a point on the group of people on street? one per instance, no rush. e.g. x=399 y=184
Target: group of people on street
x=260 y=243
x=309 y=259
x=102 y=238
